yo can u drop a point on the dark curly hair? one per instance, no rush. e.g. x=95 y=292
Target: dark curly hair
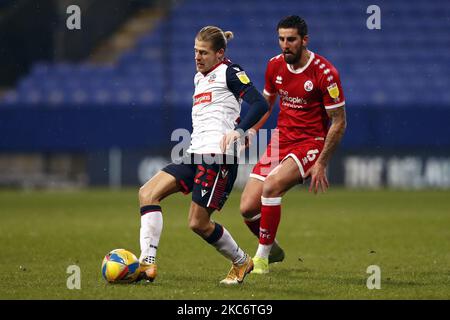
x=294 y=22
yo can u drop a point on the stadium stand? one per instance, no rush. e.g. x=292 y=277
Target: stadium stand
x=4 y=3
x=378 y=67
x=64 y=115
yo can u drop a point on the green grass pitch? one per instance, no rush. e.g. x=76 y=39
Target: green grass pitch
x=329 y=239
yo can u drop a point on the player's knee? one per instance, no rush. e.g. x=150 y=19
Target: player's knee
x=249 y=206
x=272 y=187
x=198 y=227
x=148 y=196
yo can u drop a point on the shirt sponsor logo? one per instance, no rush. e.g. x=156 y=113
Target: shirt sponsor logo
x=292 y=102
x=204 y=97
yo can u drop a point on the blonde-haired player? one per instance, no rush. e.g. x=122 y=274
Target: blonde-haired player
x=220 y=87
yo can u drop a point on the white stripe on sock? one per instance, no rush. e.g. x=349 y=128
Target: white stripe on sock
x=271 y=201
x=254 y=218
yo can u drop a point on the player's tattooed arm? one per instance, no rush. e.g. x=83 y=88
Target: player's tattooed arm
x=317 y=172
x=335 y=133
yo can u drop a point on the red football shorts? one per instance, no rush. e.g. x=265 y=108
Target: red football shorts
x=304 y=153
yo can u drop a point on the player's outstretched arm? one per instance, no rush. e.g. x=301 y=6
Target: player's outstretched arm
x=258 y=108
x=270 y=101
x=253 y=130
x=335 y=133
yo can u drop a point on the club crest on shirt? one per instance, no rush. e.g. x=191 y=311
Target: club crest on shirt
x=212 y=78
x=308 y=85
x=333 y=90
x=243 y=77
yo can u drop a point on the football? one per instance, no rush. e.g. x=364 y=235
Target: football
x=120 y=266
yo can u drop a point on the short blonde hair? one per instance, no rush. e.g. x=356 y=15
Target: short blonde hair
x=215 y=36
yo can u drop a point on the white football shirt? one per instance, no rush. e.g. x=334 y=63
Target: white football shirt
x=216 y=106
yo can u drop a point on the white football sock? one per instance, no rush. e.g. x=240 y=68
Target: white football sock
x=229 y=248
x=263 y=250
x=150 y=233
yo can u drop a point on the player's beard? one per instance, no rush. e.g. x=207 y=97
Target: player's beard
x=293 y=58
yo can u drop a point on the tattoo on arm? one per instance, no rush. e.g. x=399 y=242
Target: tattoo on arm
x=335 y=133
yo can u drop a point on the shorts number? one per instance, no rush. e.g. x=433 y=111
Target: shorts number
x=209 y=179
x=310 y=156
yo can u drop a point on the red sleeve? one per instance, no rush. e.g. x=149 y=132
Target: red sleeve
x=330 y=85
x=269 y=87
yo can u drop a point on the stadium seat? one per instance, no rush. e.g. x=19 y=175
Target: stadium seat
x=376 y=67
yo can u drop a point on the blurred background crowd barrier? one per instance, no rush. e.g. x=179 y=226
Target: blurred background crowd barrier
x=96 y=106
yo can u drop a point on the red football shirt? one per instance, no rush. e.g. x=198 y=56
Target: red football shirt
x=305 y=94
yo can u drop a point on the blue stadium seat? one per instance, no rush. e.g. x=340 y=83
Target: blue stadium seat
x=392 y=65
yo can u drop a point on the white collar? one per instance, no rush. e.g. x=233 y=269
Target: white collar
x=297 y=71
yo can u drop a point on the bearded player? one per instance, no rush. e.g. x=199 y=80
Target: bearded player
x=311 y=123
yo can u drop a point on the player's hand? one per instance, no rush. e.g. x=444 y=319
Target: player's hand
x=228 y=139
x=318 y=178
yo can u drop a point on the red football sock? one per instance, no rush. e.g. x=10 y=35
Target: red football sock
x=253 y=224
x=270 y=218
